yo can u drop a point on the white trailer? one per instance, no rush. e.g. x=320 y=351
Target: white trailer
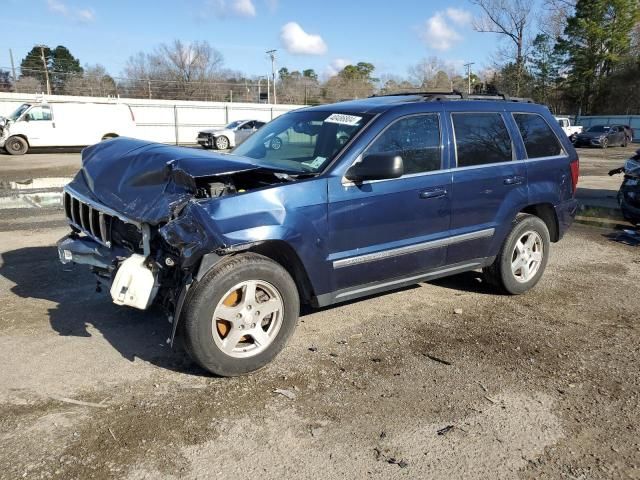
x=64 y=124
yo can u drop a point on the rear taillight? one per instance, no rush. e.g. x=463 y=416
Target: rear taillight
x=575 y=171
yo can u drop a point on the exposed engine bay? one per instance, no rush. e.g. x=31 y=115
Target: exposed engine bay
x=220 y=186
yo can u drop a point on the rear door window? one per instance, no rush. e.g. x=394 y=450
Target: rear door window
x=539 y=140
x=481 y=138
x=416 y=139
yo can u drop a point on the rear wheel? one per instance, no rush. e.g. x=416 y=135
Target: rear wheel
x=222 y=143
x=241 y=315
x=523 y=257
x=16 y=145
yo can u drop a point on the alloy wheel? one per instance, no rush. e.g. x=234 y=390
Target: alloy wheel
x=248 y=318
x=527 y=256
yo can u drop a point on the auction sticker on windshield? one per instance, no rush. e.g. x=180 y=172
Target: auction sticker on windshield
x=343 y=119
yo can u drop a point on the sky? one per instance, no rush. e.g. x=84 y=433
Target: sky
x=323 y=35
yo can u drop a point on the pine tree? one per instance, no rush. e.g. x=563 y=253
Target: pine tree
x=63 y=67
x=60 y=63
x=596 y=40
x=32 y=65
x=545 y=68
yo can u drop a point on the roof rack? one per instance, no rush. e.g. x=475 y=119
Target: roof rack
x=457 y=95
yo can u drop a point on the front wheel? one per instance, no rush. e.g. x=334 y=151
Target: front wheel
x=222 y=143
x=523 y=257
x=241 y=315
x=605 y=143
x=16 y=146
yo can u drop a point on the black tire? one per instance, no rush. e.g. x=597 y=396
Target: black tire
x=206 y=295
x=625 y=142
x=222 y=143
x=500 y=274
x=605 y=143
x=16 y=146
x=276 y=143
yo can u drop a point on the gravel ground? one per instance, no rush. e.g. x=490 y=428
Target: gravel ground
x=544 y=385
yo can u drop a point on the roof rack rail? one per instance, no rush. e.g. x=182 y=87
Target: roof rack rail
x=458 y=95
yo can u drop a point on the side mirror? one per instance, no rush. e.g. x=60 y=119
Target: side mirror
x=27 y=118
x=376 y=166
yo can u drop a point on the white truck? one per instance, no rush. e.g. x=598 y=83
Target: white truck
x=64 y=124
x=570 y=130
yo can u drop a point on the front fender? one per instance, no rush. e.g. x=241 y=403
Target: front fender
x=295 y=213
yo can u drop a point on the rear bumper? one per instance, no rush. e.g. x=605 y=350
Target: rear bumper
x=566 y=213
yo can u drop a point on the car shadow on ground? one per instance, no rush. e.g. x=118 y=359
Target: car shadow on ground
x=78 y=309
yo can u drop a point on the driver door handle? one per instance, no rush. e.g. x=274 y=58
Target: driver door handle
x=514 y=180
x=435 y=193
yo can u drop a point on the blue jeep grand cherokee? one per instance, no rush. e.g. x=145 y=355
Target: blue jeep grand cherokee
x=365 y=196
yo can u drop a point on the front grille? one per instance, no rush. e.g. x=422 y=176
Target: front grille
x=90 y=220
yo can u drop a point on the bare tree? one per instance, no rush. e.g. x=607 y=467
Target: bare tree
x=28 y=85
x=94 y=81
x=554 y=16
x=422 y=73
x=180 y=70
x=512 y=20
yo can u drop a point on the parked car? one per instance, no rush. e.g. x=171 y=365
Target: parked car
x=602 y=136
x=64 y=124
x=570 y=130
x=228 y=137
x=365 y=197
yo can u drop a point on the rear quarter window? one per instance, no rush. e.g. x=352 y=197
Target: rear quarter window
x=539 y=140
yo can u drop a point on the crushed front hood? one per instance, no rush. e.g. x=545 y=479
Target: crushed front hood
x=148 y=182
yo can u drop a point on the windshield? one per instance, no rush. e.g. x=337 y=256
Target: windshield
x=233 y=125
x=302 y=142
x=19 y=111
x=598 y=128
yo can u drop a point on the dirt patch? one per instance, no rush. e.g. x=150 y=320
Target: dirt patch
x=544 y=385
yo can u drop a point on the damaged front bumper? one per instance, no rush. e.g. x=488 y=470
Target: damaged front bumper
x=83 y=250
x=135 y=283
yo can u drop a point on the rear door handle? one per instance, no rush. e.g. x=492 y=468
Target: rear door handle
x=515 y=180
x=435 y=193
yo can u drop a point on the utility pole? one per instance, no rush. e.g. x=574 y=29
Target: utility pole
x=149 y=87
x=268 y=90
x=46 y=70
x=468 y=65
x=272 y=55
x=13 y=67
